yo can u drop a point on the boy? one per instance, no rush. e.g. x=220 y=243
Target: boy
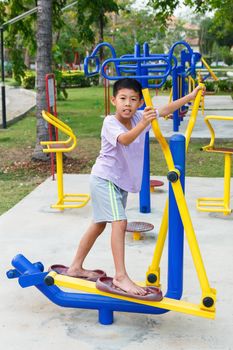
x=117 y=171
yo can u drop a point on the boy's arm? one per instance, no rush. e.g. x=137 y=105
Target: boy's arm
x=128 y=137
x=173 y=106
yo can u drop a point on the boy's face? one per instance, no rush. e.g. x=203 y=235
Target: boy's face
x=126 y=101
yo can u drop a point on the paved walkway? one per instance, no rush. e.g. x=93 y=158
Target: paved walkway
x=18 y=102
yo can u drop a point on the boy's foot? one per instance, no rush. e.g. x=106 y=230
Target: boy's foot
x=89 y=275
x=105 y=284
x=128 y=286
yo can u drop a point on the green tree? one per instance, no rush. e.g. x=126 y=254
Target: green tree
x=22 y=35
x=206 y=37
x=165 y=8
x=214 y=30
x=18 y=36
x=91 y=16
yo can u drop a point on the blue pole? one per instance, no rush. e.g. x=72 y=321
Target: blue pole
x=144 y=196
x=175 y=225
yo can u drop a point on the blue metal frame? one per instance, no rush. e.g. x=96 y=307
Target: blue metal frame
x=175 y=225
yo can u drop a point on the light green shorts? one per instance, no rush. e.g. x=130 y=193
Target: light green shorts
x=108 y=200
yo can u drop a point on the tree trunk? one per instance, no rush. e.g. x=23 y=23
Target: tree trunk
x=101 y=34
x=43 y=67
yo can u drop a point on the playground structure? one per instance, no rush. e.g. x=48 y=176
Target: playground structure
x=214 y=204
x=152 y=71
x=31 y=274
x=59 y=147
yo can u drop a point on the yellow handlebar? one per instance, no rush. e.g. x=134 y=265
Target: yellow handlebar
x=209 y=69
x=207 y=121
x=157 y=132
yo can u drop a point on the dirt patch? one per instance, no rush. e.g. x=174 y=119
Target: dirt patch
x=19 y=161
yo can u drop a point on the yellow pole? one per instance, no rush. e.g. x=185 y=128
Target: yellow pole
x=154 y=267
x=162 y=235
x=60 y=177
x=227 y=182
x=193 y=117
x=209 y=69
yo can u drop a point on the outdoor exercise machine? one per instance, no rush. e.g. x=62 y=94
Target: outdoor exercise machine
x=59 y=147
x=49 y=283
x=214 y=204
x=152 y=71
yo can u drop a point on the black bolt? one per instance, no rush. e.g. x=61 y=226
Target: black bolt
x=172 y=176
x=208 y=302
x=49 y=280
x=152 y=278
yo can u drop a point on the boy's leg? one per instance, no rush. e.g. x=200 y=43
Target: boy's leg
x=121 y=278
x=86 y=243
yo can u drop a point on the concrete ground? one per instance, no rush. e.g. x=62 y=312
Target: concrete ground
x=214 y=105
x=29 y=320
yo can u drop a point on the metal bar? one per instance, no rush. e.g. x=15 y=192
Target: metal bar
x=23 y=15
x=4 y=125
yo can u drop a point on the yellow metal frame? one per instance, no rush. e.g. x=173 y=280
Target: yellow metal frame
x=216 y=204
x=59 y=147
x=191 y=85
x=183 y=209
x=166 y=303
x=209 y=69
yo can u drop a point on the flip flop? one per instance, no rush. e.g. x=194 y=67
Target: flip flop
x=62 y=270
x=105 y=284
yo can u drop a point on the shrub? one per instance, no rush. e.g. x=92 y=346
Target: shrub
x=167 y=85
x=225 y=85
x=29 y=80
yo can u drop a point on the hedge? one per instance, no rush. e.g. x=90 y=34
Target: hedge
x=64 y=79
x=78 y=79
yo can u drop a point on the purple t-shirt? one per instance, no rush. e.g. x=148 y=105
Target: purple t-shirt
x=122 y=165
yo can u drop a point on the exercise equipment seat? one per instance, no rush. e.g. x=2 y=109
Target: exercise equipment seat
x=59 y=147
x=215 y=204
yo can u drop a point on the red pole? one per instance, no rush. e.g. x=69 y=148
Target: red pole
x=52 y=108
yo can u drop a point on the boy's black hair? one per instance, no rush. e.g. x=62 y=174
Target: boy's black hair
x=127 y=83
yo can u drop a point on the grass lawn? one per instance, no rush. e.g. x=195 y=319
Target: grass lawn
x=83 y=112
